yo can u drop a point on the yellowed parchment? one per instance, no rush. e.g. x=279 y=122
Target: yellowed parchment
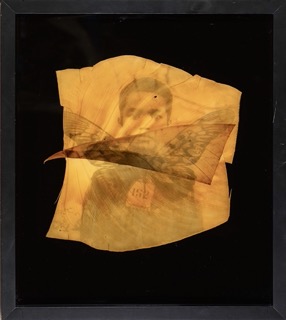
x=123 y=193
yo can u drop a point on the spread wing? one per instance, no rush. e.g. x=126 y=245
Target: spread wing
x=81 y=130
x=188 y=151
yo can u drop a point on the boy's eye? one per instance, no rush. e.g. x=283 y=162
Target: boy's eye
x=153 y=112
x=130 y=112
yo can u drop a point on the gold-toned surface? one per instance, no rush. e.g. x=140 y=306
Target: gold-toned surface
x=145 y=147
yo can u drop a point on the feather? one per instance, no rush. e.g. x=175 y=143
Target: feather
x=187 y=151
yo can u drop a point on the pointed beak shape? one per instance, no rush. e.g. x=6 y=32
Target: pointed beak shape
x=57 y=155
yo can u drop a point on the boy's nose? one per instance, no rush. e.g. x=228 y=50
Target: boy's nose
x=144 y=122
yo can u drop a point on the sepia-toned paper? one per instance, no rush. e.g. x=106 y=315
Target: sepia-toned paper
x=145 y=146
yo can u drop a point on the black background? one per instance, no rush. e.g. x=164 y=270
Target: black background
x=231 y=264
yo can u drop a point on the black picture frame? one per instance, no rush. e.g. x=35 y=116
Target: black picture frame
x=10 y=306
